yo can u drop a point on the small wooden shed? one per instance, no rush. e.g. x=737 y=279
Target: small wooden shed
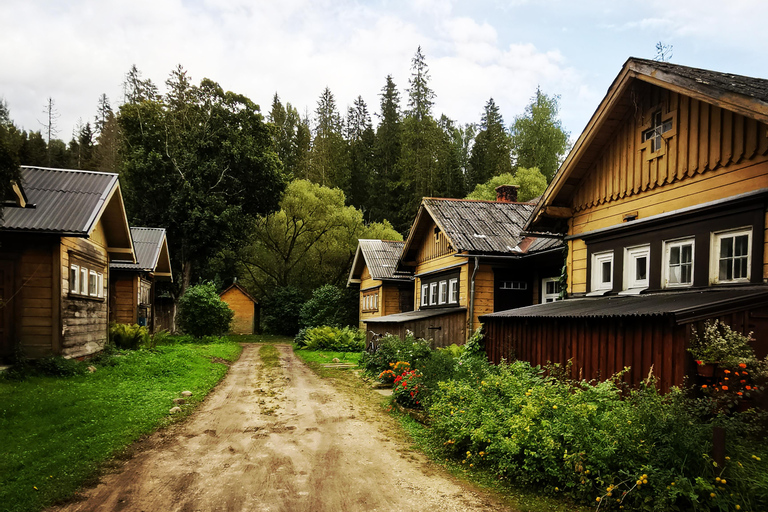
x=246 y=308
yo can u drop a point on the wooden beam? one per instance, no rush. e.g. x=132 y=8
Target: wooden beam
x=121 y=250
x=559 y=212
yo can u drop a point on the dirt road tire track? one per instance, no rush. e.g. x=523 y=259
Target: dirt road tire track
x=277 y=439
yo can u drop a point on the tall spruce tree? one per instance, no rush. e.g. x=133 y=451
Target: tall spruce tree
x=361 y=139
x=328 y=162
x=387 y=176
x=491 y=151
x=292 y=138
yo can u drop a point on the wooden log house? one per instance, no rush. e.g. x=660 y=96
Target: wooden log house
x=132 y=285
x=469 y=258
x=59 y=231
x=662 y=203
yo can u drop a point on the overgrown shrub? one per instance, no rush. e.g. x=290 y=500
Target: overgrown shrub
x=328 y=305
x=348 y=339
x=407 y=389
x=202 y=312
x=130 y=336
x=280 y=311
x=598 y=442
x=391 y=349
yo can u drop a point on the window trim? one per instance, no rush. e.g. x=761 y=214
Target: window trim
x=631 y=255
x=667 y=245
x=596 y=285
x=714 y=262
x=425 y=294
x=554 y=296
x=433 y=293
x=442 y=293
x=74 y=280
x=453 y=289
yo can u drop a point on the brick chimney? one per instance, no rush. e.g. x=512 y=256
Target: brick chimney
x=506 y=193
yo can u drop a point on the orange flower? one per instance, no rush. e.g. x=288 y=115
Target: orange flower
x=742 y=365
x=743 y=381
x=703 y=386
x=747 y=387
x=725 y=388
x=739 y=393
x=727 y=371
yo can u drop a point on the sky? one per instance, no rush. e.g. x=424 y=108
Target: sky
x=75 y=50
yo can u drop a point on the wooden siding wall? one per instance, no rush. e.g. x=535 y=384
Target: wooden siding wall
x=124 y=298
x=703 y=138
x=245 y=311
x=84 y=320
x=431 y=248
x=598 y=347
x=36 y=310
x=443 y=330
x=366 y=283
x=709 y=154
x=601 y=347
x=484 y=289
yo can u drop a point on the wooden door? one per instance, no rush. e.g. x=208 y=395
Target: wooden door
x=6 y=309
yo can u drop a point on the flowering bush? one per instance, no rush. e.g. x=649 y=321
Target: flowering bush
x=389 y=350
x=406 y=389
x=600 y=442
x=388 y=376
x=719 y=343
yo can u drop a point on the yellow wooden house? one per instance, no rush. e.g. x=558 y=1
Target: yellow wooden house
x=662 y=203
x=245 y=307
x=59 y=231
x=133 y=285
x=469 y=258
x=383 y=289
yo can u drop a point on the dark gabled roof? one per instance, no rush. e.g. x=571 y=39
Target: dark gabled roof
x=683 y=306
x=381 y=258
x=756 y=88
x=479 y=227
x=743 y=95
x=60 y=201
x=148 y=243
x=410 y=316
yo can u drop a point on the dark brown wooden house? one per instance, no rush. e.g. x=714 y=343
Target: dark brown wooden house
x=662 y=203
x=132 y=285
x=59 y=232
x=470 y=258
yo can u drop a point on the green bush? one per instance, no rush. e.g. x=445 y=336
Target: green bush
x=391 y=349
x=597 y=441
x=348 y=339
x=202 y=312
x=130 y=337
x=280 y=311
x=327 y=306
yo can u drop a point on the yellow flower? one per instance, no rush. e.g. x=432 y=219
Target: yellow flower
x=717 y=479
x=712 y=495
x=554 y=407
x=645 y=481
x=738 y=507
x=598 y=498
x=722 y=481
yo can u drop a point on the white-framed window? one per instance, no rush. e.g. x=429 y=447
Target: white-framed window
x=432 y=294
x=83 y=286
x=425 y=295
x=731 y=256
x=453 y=291
x=677 y=268
x=513 y=285
x=636 y=267
x=74 y=279
x=602 y=271
x=93 y=284
x=100 y=289
x=443 y=292
x=550 y=289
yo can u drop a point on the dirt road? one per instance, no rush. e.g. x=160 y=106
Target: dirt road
x=278 y=439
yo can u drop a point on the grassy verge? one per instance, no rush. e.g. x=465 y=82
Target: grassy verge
x=326 y=356
x=57 y=432
x=259 y=338
x=269 y=355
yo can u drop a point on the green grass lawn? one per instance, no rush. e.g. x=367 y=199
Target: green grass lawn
x=326 y=356
x=57 y=432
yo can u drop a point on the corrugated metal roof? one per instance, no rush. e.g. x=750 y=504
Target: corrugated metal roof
x=381 y=257
x=147 y=243
x=66 y=201
x=486 y=227
x=413 y=315
x=678 y=304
